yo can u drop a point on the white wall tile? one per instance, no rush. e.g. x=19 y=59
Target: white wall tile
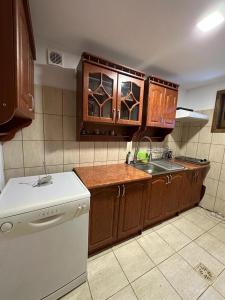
x=13 y=154
x=33 y=153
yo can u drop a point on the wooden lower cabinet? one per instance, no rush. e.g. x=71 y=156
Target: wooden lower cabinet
x=120 y=211
x=156 y=199
x=173 y=194
x=131 y=209
x=116 y=212
x=103 y=217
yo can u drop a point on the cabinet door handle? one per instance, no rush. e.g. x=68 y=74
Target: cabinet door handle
x=32 y=99
x=124 y=190
x=171 y=177
x=114 y=114
x=168 y=179
x=118 y=194
x=118 y=112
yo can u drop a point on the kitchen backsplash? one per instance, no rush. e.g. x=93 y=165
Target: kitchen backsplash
x=52 y=138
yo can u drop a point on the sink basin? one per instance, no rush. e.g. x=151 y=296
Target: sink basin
x=149 y=168
x=168 y=165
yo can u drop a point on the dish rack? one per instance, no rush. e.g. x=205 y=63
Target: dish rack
x=158 y=153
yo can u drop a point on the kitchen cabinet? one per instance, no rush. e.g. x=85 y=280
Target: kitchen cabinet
x=174 y=192
x=109 y=99
x=192 y=187
x=131 y=211
x=116 y=212
x=160 y=103
x=17 y=82
x=155 y=200
x=163 y=197
x=103 y=217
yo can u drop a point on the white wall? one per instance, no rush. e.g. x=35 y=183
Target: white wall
x=2 y=181
x=203 y=97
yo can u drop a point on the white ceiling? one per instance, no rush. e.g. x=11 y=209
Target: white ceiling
x=156 y=36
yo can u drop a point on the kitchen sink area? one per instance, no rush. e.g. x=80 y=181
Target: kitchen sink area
x=157 y=167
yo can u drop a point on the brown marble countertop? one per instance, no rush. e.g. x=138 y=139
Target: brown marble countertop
x=100 y=176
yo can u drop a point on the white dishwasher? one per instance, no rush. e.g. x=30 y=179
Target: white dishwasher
x=43 y=237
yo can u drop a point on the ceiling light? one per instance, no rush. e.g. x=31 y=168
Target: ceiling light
x=211 y=21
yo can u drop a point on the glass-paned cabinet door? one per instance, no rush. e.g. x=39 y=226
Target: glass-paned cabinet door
x=99 y=94
x=130 y=100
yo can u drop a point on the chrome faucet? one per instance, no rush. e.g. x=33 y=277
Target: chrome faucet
x=138 y=146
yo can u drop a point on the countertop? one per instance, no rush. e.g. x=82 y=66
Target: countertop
x=100 y=176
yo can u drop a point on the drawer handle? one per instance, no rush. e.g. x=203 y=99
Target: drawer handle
x=118 y=194
x=124 y=190
x=32 y=99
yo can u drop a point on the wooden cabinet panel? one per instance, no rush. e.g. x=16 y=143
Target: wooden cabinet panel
x=169 y=110
x=155 y=200
x=103 y=217
x=16 y=92
x=131 y=208
x=129 y=100
x=173 y=194
x=99 y=94
x=186 y=197
x=196 y=186
x=155 y=105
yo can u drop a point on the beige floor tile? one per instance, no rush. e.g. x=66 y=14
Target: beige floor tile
x=219 y=284
x=202 y=221
x=133 y=260
x=125 y=294
x=182 y=277
x=195 y=255
x=213 y=246
x=188 y=228
x=145 y=232
x=175 y=238
x=124 y=243
x=153 y=286
x=105 y=277
x=218 y=231
x=211 y=294
x=155 y=247
x=80 y=293
x=99 y=254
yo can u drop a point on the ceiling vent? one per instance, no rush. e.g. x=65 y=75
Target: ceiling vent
x=55 y=58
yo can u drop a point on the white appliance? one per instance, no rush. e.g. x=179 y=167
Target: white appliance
x=43 y=237
x=186 y=115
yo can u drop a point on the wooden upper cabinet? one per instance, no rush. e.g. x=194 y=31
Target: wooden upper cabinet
x=169 y=111
x=160 y=103
x=25 y=66
x=129 y=100
x=108 y=94
x=17 y=75
x=155 y=106
x=99 y=94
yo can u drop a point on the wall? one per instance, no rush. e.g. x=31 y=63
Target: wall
x=203 y=97
x=51 y=138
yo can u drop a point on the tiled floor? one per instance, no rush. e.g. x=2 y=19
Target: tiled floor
x=162 y=263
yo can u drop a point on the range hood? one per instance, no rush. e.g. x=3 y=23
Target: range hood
x=187 y=115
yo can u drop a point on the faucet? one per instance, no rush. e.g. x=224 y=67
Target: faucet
x=138 y=146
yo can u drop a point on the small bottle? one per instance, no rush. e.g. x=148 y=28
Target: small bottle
x=128 y=158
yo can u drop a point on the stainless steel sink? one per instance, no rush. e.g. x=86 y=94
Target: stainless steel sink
x=158 y=167
x=168 y=165
x=149 y=168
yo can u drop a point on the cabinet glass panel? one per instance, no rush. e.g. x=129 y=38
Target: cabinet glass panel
x=100 y=91
x=130 y=100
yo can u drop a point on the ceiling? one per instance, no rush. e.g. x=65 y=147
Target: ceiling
x=157 y=37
